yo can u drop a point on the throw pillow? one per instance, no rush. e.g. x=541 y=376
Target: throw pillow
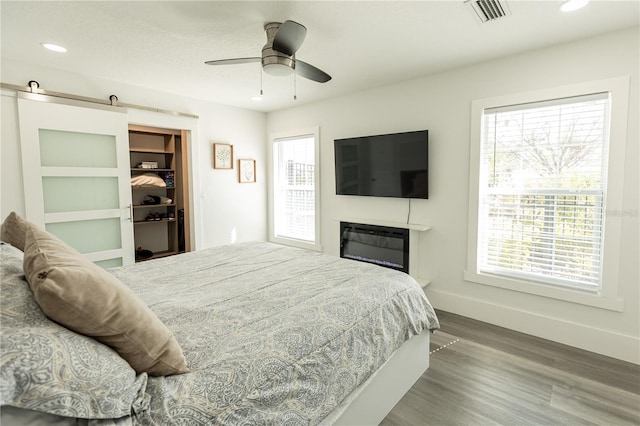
x=85 y=298
x=13 y=230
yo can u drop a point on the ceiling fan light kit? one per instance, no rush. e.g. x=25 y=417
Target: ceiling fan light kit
x=278 y=65
x=278 y=54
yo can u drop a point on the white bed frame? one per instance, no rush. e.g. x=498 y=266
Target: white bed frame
x=370 y=403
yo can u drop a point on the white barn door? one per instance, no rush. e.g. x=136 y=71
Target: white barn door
x=76 y=175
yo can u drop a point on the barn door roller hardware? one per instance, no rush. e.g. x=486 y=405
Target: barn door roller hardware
x=34 y=87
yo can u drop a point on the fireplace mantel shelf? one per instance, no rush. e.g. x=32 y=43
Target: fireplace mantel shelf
x=411 y=226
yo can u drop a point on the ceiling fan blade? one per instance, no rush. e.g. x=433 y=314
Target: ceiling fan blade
x=289 y=37
x=306 y=70
x=233 y=61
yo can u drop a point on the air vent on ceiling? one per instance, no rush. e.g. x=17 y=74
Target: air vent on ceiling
x=489 y=10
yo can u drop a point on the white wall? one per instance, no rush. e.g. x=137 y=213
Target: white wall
x=225 y=210
x=442 y=104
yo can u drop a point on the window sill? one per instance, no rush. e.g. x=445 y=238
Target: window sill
x=292 y=242
x=559 y=293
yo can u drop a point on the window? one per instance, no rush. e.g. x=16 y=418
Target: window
x=543 y=172
x=294 y=193
x=542 y=190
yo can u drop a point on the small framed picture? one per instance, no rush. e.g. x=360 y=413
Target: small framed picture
x=246 y=171
x=222 y=156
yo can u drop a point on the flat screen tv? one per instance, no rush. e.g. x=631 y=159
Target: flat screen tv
x=391 y=165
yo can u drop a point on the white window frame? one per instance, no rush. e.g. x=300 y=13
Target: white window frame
x=607 y=297
x=295 y=134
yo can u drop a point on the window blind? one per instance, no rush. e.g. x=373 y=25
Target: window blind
x=294 y=188
x=542 y=190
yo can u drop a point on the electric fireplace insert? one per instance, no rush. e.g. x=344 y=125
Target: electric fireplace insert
x=380 y=245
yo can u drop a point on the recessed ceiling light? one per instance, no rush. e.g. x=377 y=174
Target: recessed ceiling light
x=256 y=98
x=54 y=47
x=571 y=5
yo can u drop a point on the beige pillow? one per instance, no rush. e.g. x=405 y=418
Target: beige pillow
x=150 y=180
x=13 y=230
x=85 y=298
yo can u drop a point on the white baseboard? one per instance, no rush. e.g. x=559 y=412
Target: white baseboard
x=604 y=342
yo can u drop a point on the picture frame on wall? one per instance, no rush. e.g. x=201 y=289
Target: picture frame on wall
x=246 y=171
x=222 y=156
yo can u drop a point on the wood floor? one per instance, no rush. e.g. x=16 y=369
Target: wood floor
x=481 y=374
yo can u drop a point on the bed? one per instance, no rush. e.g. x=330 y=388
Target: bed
x=269 y=334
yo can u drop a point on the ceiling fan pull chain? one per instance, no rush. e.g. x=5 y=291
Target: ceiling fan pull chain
x=295 y=97
x=260 y=81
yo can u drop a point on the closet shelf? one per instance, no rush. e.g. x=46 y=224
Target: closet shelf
x=151 y=188
x=141 y=169
x=151 y=222
x=160 y=254
x=152 y=206
x=150 y=151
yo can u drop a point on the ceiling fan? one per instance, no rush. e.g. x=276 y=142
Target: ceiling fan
x=278 y=55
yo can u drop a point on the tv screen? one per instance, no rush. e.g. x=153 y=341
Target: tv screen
x=392 y=165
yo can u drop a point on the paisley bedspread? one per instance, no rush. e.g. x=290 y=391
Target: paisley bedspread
x=272 y=335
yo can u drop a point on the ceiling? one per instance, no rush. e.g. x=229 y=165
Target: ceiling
x=163 y=44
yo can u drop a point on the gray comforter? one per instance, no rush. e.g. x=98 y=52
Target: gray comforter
x=272 y=335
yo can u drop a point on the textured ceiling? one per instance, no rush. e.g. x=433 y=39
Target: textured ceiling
x=361 y=44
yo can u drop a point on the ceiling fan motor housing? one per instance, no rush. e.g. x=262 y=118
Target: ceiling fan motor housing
x=274 y=62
